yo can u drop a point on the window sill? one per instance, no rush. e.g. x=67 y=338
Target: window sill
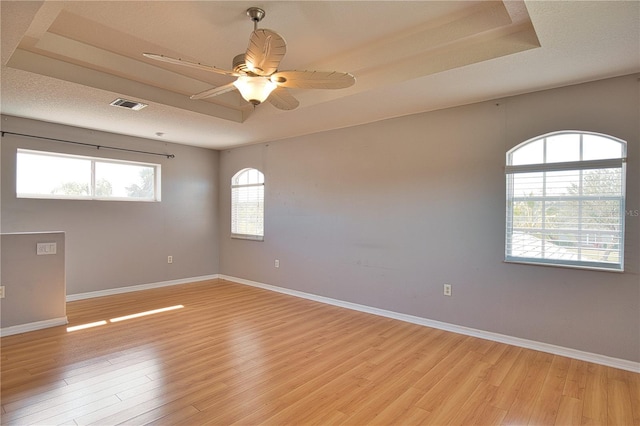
x=247 y=237
x=587 y=267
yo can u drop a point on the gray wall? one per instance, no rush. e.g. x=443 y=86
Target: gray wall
x=384 y=214
x=381 y=214
x=112 y=244
x=34 y=284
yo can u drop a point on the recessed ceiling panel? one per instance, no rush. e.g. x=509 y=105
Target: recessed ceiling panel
x=100 y=45
x=55 y=50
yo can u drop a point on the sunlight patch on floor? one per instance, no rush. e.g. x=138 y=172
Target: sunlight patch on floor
x=83 y=326
x=123 y=318
x=142 y=314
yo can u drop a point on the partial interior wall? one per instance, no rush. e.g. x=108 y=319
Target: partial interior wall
x=33 y=279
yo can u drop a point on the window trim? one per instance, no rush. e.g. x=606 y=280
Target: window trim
x=157 y=197
x=600 y=164
x=235 y=235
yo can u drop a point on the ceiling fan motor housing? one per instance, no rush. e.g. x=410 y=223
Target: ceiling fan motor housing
x=240 y=65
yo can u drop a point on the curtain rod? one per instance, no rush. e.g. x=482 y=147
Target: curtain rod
x=90 y=144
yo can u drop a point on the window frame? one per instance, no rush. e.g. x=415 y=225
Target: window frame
x=157 y=197
x=618 y=163
x=236 y=187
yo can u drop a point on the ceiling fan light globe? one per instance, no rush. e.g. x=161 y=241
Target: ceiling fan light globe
x=254 y=89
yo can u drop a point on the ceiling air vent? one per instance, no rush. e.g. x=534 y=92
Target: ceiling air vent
x=123 y=103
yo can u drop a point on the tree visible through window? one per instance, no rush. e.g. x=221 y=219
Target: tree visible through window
x=565 y=201
x=54 y=175
x=247 y=205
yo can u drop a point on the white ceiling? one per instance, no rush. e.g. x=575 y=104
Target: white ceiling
x=64 y=62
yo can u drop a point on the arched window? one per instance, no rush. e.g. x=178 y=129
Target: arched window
x=565 y=201
x=247 y=205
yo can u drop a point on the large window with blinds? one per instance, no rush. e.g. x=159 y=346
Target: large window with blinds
x=566 y=201
x=247 y=205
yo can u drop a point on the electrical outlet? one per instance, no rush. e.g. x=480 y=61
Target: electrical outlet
x=277 y=263
x=447 y=289
x=169 y=259
x=1 y=292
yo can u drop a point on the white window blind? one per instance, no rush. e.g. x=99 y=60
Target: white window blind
x=247 y=205
x=565 y=201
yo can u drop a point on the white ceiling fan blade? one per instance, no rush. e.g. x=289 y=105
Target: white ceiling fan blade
x=313 y=79
x=282 y=99
x=175 y=61
x=266 y=50
x=214 y=92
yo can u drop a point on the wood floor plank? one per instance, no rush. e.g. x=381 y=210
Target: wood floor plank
x=523 y=406
x=547 y=404
x=165 y=415
x=513 y=380
x=619 y=411
x=413 y=416
x=383 y=392
x=503 y=364
x=633 y=381
x=111 y=385
x=450 y=351
x=241 y=355
x=470 y=368
x=476 y=409
x=569 y=411
x=125 y=411
x=31 y=391
x=399 y=409
x=462 y=391
x=595 y=395
x=576 y=379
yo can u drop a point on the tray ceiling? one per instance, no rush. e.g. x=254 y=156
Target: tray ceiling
x=66 y=61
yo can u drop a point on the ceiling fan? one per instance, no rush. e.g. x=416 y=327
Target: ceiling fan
x=258 y=78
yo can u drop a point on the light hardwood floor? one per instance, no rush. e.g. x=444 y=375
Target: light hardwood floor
x=240 y=355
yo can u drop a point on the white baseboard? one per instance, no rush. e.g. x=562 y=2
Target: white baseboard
x=496 y=337
x=119 y=290
x=32 y=326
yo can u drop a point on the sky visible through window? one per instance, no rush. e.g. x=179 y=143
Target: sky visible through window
x=50 y=175
x=565 y=147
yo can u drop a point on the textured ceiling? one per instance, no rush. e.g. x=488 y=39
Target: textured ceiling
x=65 y=62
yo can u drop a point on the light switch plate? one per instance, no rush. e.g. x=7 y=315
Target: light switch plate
x=46 y=248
